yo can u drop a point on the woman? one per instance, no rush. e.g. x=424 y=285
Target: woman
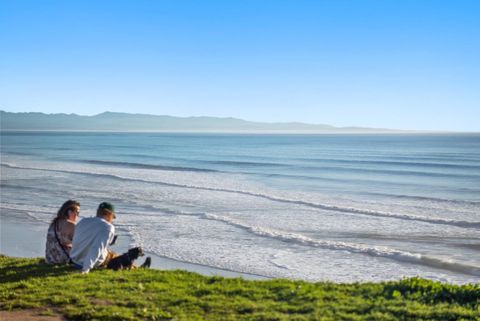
x=60 y=233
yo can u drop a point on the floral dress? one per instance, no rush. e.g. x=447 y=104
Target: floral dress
x=54 y=254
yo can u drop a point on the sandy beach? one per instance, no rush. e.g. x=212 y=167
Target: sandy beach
x=25 y=237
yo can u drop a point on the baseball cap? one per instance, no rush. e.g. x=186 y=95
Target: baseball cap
x=106 y=206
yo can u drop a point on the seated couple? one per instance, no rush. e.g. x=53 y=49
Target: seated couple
x=85 y=244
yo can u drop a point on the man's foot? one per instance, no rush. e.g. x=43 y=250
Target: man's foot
x=147 y=263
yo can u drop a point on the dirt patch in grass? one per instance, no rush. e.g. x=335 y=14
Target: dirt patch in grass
x=30 y=315
x=97 y=302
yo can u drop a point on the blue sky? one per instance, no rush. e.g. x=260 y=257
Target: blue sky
x=393 y=64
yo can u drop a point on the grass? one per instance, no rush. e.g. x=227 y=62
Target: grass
x=181 y=295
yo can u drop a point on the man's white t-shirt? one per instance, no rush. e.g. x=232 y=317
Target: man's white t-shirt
x=90 y=241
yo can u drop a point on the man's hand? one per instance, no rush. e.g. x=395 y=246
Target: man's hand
x=114 y=240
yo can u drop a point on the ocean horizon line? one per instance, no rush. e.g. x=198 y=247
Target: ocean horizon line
x=245 y=132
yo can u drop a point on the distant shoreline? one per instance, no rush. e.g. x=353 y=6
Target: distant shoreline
x=114 y=121
x=132 y=122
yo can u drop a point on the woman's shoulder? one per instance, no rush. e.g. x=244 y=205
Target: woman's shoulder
x=64 y=224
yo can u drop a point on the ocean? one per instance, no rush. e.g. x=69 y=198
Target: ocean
x=342 y=208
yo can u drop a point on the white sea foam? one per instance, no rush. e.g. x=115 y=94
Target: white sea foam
x=226 y=243
x=308 y=242
x=168 y=180
x=386 y=252
x=40 y=213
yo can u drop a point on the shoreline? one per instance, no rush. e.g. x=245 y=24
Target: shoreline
x=24 y=237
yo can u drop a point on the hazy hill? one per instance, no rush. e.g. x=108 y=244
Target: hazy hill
x=110 y=121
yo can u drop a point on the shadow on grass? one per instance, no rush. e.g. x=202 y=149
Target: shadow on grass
x=12 y=271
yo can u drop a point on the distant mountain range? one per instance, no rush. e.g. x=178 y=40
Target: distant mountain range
x=112 y=121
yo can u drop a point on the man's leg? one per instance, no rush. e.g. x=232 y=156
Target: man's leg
x=110 y=256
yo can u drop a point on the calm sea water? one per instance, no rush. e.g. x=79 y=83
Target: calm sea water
x=315 y=207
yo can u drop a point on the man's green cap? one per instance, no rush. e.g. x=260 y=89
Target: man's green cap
x=106 y=206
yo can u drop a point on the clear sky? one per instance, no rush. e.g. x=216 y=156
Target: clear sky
x=406 y=64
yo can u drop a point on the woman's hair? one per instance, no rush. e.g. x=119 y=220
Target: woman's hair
x=63 y=211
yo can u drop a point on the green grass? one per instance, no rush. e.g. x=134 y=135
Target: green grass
x=181 y=295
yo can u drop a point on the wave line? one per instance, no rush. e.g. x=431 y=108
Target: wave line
x=375 y=251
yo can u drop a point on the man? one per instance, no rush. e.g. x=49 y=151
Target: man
x=91 y=239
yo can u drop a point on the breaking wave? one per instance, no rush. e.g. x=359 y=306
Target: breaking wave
x=148 y=166
x=384 y=252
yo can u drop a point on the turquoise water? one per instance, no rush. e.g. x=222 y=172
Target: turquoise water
x=315 y=207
